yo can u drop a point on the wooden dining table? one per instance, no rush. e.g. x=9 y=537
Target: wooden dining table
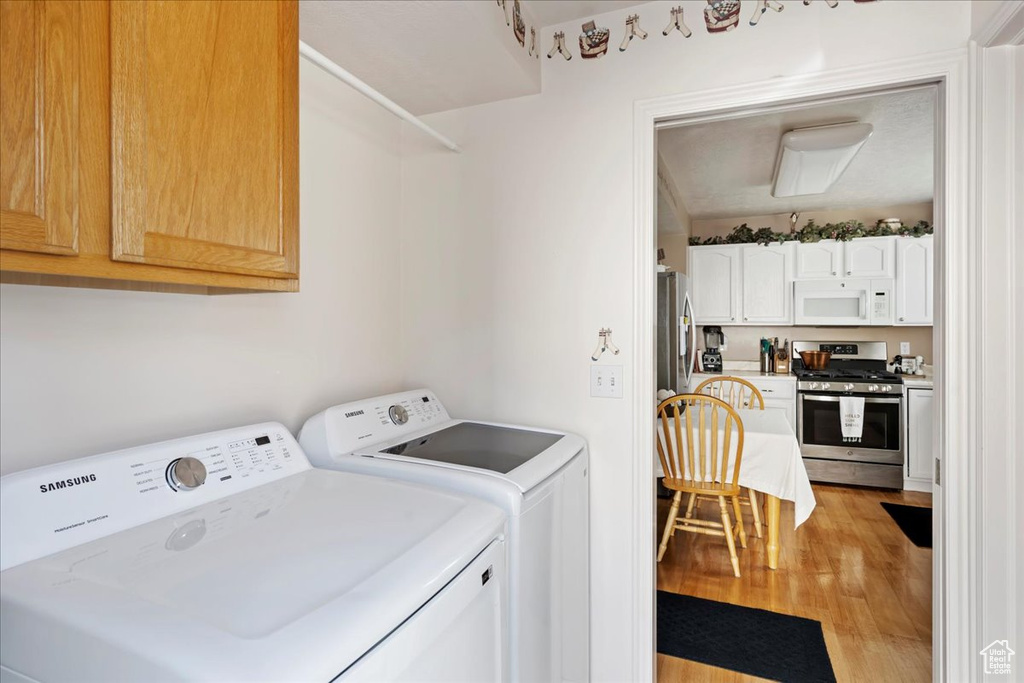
x=771 y=465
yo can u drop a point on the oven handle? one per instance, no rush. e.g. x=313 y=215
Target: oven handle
x=835 y=399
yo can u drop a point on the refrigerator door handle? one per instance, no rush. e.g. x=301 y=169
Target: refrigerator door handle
x=692 y=329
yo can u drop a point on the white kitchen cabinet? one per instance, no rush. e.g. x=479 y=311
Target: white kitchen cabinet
x=873 y=257
x=915 y=286
x=767 y=284
x=815 y=260
x=715 y=282
x=919 y=439
x=778 y=391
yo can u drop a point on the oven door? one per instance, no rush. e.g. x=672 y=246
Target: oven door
x=821 y=436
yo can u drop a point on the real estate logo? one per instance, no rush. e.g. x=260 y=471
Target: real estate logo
x=998 y=657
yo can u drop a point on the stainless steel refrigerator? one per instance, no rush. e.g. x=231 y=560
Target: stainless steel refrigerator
x=677 y=333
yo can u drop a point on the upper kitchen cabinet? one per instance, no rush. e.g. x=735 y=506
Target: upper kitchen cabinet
x=819 y=259
x=869 y=257
x=150 y=145
x=767 y=275
x=915 y=285
x=204 y=132
x=715 y=280
x=39 y=125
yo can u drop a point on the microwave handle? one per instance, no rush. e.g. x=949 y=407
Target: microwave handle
x=863 y=301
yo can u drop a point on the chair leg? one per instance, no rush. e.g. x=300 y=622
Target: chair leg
x=739 y=521
x=690 y=505
x=727 y=527
x=670 y=524
x=755 y=510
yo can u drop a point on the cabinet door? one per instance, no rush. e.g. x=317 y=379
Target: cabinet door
x=870 y=257
x=920 y=423
x=767 y=284
x=39 y=81
x=914 y=280
x=816 y=260
x=715 y=279
x=204 y=110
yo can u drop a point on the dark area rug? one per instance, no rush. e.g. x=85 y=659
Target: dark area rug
x=752 y=641
x=915 y=522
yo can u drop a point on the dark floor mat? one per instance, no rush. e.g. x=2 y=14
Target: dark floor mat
x=752 y=641
x=915 y=522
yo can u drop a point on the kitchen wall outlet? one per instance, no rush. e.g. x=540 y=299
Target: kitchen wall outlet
x=606 y=381
x=904 y=348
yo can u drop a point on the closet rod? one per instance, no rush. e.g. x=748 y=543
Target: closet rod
x=344 y=76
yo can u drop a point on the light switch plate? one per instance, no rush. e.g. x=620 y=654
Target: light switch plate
x=606 y=381
x=904 y=348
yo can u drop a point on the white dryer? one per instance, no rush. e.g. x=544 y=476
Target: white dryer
x=538 y=476
x=226 y=557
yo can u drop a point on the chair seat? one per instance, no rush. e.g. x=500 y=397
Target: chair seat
x=701 y=488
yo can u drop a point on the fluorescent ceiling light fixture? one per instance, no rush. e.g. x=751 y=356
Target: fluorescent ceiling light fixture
x=811 y=160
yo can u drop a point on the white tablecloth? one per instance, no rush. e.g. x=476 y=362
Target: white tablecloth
x=771 y=459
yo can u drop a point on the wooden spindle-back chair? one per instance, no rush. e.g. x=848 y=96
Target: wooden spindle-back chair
x=700 y=444
x=741 y=395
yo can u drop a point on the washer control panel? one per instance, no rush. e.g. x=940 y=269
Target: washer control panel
x=48 y=509
x=348 y=427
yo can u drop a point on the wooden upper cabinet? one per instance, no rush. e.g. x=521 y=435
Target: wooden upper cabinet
x=39 y=91
x=204 y=135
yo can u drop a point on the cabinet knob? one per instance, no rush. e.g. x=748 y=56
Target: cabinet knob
x=902 y=319
x=746 y=318
x=834 y=272
x=732 y=318
x=849 y=272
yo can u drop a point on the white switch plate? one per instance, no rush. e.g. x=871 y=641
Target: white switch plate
x=904 y=348
x=606 y=381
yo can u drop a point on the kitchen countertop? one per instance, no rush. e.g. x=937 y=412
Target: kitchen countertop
x=925 y=381
x=746 y=374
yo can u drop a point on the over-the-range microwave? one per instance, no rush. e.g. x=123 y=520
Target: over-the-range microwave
x=843 y=302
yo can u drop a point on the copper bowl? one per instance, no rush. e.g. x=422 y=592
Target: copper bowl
x=815 y=360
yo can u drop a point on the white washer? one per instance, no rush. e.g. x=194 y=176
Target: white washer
x=227 y=557
x=538 y=476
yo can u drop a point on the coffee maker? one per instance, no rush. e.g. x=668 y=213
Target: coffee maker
x=714 y=339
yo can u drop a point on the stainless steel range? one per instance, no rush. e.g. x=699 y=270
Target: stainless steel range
x=855 y=369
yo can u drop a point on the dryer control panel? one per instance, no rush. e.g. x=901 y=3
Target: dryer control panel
x=49 y=509
x=351 y=426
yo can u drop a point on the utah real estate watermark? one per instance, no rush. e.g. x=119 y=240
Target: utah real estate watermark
x=998 y=658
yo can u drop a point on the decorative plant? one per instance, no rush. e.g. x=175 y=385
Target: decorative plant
x=812 y=232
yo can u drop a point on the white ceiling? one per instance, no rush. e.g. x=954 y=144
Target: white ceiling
x=550 y=12
x=426 y=55
x=724 y=169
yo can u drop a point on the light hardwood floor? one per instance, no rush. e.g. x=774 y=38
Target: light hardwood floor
x=849 y=566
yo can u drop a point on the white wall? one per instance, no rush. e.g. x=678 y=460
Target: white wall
x=548 y=208
x=84 y=371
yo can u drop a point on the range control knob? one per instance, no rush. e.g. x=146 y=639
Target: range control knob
x=398 y=414
x=886 y=387
x=825 y=385
x=873 y=387
x=847 y=387
x=185 y=474
x=812 y=386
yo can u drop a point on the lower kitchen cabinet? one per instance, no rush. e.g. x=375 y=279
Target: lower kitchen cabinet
x=920 y=439
x=778 y=391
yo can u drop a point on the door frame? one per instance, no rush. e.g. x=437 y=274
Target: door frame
x=957 y=388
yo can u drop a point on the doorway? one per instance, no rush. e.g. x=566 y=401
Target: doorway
x=741 y=250
x=951 y=221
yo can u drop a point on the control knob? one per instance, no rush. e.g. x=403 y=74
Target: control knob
x=887 y=387
x=812 y=386
x=873 y=387
x=847 y=387
x=825 y=385
x=398 y=414
x=185 y=474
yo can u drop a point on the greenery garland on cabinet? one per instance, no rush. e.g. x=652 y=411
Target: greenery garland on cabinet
x=812 y=232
